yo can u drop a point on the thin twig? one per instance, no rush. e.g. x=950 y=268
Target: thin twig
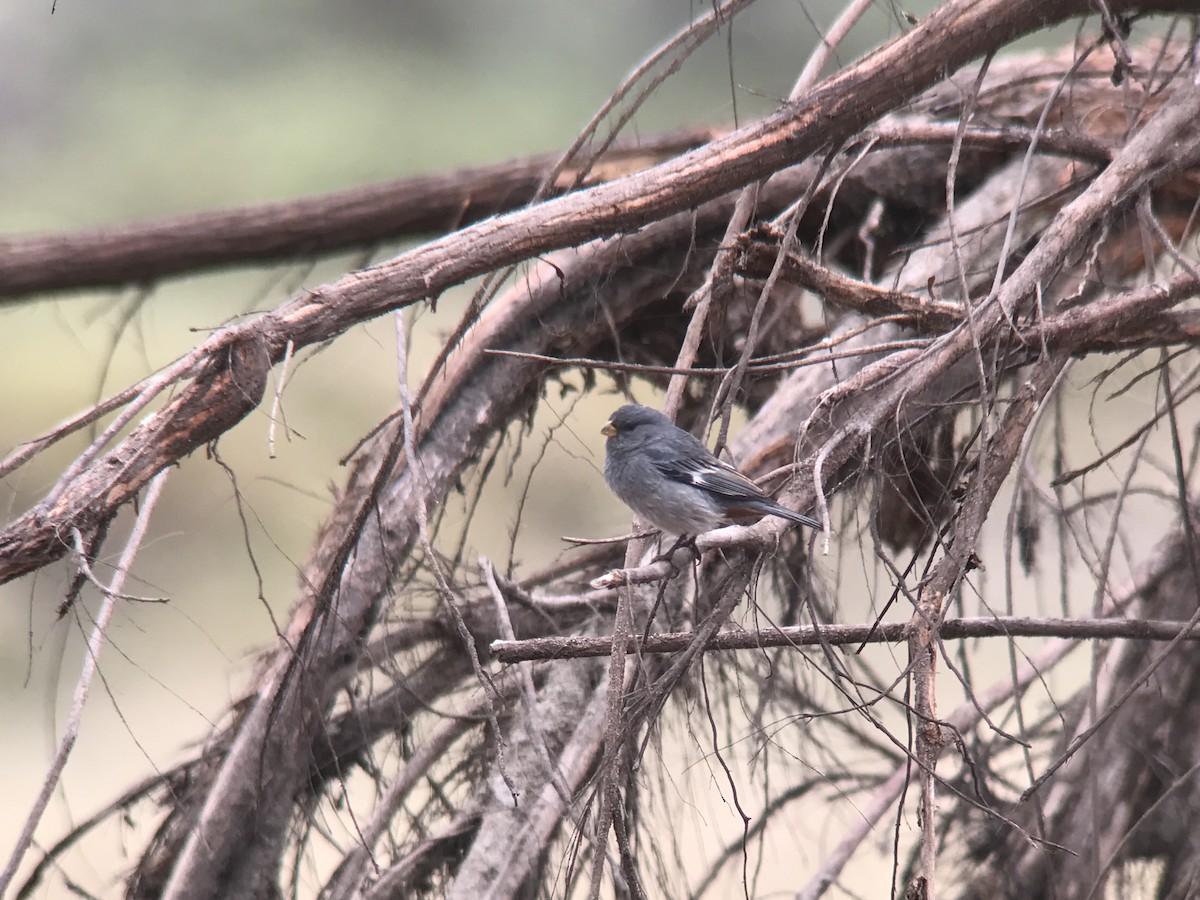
x=533 y=718
x=276 y=401
x=81 y=562
x=571 y=647
x=431 y=559
x=91 y=662
x=346 y=882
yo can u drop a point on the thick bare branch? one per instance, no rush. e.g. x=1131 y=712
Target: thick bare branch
x=921 y=388
x=143 y=252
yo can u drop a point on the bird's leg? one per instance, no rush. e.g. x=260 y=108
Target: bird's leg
x=684 y=540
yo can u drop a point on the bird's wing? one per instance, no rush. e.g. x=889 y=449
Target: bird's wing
x=710 y=474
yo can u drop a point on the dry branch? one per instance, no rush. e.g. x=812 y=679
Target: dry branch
x=992 y=269
x=144 y=252
x=571 y=647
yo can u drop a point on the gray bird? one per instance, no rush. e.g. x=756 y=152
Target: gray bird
x=672 y=481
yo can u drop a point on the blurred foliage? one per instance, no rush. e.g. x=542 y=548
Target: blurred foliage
x=132 y=108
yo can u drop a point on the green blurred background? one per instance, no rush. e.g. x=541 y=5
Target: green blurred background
x=130 y=109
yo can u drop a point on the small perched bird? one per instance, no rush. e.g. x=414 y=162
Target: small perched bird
x=671 y=480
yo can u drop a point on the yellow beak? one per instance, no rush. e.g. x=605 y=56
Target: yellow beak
x=609 y=429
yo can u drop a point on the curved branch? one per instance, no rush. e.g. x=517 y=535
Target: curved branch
x=143 y=252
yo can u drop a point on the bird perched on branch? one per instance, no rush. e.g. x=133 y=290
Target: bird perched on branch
x=672 y=481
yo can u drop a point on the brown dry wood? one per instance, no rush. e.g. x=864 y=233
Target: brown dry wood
x=244 y=806
x=577 y=647
x=951 y=36
x=144 y=252
x=226 y=388
x=477 y=396
x=1131 y=793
